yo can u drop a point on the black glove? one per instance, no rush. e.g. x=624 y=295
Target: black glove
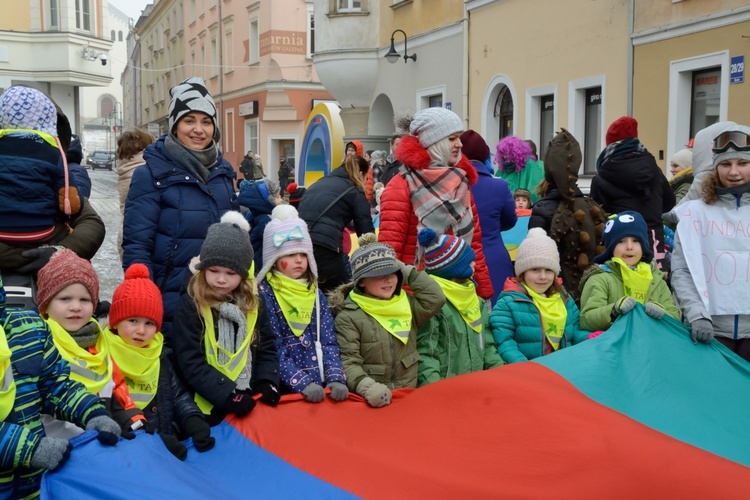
x=197 y=428
x=102 y=309
x=269 y=393
x=174 y=446
x=240 y=403
x=40 y=258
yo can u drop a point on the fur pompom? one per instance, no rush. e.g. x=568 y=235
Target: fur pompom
x=284 y=212
x=403 y=123
x=236 y=218
x=367 y=238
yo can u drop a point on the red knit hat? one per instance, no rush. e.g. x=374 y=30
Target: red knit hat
x=137 y=296
x=64 y=269
x=474 y=146
x=625 y=127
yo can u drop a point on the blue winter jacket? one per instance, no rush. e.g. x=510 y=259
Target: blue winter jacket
x=297 y=358
x=497 y=212
x=167 y=214
x=517 y=325
x=255 y=198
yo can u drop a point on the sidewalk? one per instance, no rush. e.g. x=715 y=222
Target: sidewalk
x=106 y=202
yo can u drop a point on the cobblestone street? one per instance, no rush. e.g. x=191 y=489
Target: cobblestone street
x=106 y=202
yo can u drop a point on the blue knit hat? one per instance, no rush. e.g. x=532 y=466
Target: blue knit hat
x=618 y=227
x=446 y=256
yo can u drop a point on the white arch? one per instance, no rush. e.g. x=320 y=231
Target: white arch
x=380 y=121
x=490 y=128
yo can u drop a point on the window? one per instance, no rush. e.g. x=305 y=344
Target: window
x=432 y=97
x=435 y=101
x=706 y=99
x=503 y=112
x=119 y=36
x=106 y=106
x=203 y=61
x=229 y=131
x=228 y=52
x=214 y=58
x=192 y=63
x=592 y=129
x=546 y=123
x=254 y=42
x=310 y=31
x=348 y=6
x=54 y=14
x=192 y=11
x=112 y=35
x=251 y=135
x=83 y=15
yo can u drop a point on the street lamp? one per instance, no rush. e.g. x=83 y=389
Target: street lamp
x=392 y=56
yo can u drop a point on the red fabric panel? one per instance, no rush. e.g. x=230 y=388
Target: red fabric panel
x=518 y=431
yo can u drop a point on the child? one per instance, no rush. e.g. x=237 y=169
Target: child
x=67 y=295
x=522 y=197
x=298 y=311
x=376 y=321
x=225 y=348
x=260 y=197
x=137 y=347
x=534 y=315
x=36 y=378
x=458 y=339
x=625 y=275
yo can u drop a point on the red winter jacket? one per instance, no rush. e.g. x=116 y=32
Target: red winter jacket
x=398 y=222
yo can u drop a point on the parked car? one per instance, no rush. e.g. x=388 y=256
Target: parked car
x=100 y=159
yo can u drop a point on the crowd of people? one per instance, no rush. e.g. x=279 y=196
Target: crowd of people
x=236 y=294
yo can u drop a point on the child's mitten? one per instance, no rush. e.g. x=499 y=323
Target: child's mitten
x=269 y=393
x=51 y=453
x=197 y=428
x=375 y=393
x=314 y=393
x=654 y=310
x=174 y=446
x=109 y=430
x=339 y=392
x=240 y=403
x=623 y=306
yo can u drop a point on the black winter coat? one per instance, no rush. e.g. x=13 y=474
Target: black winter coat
x=353 y=206
x=544 y=209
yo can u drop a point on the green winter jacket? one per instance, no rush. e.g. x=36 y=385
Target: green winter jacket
x=517 y=325
x=602 y=286
x=368 y=350
x=448 y=346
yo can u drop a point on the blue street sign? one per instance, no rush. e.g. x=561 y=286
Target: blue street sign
x=737 y=69
x=448 y=105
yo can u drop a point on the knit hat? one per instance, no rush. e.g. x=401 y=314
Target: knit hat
x=137 y=296
x=619 y=226
x=537 y=250
x=431 y=125
x=625 y=127
x=683 y=158
x=373 y=259
x=295 y=193
x=64 y=269
x=286 y=234
x=446 y=256
x=227 y=244
x=474 y=146
x=731 y=153
x=24 y=107
x=191 y=95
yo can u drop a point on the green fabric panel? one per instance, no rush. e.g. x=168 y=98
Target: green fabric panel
x=652 y=372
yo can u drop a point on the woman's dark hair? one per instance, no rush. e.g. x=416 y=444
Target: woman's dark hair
x=356 y=167
x=132 y=142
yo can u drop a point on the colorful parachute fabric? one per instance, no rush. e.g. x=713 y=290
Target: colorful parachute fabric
x=637 y=412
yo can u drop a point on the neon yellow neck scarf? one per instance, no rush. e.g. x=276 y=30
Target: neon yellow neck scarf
x=8 y=386
x=464 y=297
x=92 y=370
x=554 y=315
x=296 y=300
x=393 y=314
x=635 y=282
x=139 y=365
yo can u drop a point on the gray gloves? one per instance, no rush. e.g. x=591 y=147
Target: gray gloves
x=109 y=431
x=702 y=330
x=51 y=453
x=314 y=393
x=654 y=310
x=339 y=392
x=624 y=305
x=375 y=393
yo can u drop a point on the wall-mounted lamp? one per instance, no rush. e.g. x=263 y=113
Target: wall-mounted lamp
x=91 y=55
x=392 y=56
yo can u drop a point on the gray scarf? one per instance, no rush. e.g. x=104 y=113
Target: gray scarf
x=197 y=162
x=232 y=331
x=86 y=336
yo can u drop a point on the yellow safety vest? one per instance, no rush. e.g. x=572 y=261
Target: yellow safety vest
x=140 y=366
x=93 y=370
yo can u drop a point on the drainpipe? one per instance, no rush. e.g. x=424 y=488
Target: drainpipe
x=631 y=54
x=465 y=83
x=220 y=32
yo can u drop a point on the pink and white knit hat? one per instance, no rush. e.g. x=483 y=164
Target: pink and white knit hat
x=286 y=234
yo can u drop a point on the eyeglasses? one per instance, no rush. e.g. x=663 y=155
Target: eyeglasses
x=736 y=140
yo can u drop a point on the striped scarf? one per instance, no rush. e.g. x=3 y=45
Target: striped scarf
x=619 y=148
x=441 y=200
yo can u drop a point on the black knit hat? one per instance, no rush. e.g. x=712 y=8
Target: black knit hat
x=227 y=244
x=188 y=96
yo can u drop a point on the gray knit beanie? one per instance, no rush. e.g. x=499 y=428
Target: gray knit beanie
x=373 y=259
x=732 y=153
x=227 y=244
x=537 y=250
x=191 y=95
x=432 y=125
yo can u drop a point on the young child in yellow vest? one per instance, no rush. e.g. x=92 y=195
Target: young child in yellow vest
x=225 y=349
x=67 y=295
x=36 y=377
x=458 y=339
x=377 y=321
x=137 y=347
x=534 y=315
x=298 y=311
x=625 y=274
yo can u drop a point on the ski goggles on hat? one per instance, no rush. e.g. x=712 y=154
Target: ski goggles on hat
x=739 y=141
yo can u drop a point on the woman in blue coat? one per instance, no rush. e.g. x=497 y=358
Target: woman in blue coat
x=183 y=188
x=496 y=209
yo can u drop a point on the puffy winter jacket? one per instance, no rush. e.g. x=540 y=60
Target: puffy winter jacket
x=259 y=215
x=517 y=325
x=398 y=221
x=167 y=215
